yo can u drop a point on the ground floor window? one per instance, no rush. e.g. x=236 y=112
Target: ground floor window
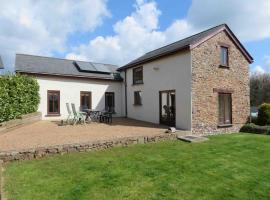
x=53 y=97
x=225 y=108
x=86 y=100
x=109 y=101
x=137 y=98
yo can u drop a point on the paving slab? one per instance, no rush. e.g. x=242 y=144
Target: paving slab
x=192 y=138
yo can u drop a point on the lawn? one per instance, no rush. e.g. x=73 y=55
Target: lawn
x=225 y=167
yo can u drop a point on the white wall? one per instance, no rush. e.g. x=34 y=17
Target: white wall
x=70 y=93
x=174 y=73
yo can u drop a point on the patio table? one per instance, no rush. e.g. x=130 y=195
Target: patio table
x=90 y=112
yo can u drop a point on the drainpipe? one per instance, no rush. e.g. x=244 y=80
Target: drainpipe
x=126 y=92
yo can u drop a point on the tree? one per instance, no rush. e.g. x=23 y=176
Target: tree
x=259 y=89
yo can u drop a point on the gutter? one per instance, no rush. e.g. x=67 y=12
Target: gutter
x=67 y=76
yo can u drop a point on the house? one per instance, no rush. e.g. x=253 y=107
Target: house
x=62 y=81
x=200 y=83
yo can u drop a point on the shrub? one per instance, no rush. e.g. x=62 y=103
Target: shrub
x=252 y=119
x=253 y=128
x=264 y=114
x=18 y=96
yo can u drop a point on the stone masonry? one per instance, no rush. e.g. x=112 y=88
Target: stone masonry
x=207 y=77
x=36 y=153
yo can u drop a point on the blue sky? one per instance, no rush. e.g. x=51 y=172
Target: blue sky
x=114 y=31
x=121 y=9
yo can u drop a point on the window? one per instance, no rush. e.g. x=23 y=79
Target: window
x=86 y=100
x=109 y=101
x=225 y=108
x=138 y=75
x=53 y=102
x=224 y=56
x=137 y=98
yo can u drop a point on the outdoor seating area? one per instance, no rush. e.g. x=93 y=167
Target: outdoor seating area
x=49 y=133
x=86 y=115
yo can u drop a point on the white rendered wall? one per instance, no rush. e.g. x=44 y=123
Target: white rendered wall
x=169 y=73
x=70 y=93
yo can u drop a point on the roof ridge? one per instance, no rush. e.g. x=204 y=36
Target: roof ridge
x=64 y=59
x=186 y=38
x=188 y=42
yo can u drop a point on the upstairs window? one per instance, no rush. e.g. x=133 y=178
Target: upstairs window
x=138 y=75
x=224 y=56
x=225 y=108
x=137 y=98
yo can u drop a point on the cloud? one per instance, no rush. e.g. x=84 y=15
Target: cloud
x=258 y=70
x=134 y=35
x=42 y=27
x=263 y=68
x=249 y=19
x=139 y=32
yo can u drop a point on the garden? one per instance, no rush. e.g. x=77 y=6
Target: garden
x=261 y=123
x=232 y=166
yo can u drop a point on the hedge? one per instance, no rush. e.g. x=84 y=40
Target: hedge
x=18 y=96
x=253 y=128
x=264 y=114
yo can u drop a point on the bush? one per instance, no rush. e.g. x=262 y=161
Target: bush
x=18 y=96
x=252 y=119
x=264 y=114
x=253 y=128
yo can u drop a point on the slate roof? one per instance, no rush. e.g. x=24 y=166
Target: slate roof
x=184 y=44
x=31 y=64
x=1 y=64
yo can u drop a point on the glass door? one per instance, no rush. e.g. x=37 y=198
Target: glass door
x=167 y=107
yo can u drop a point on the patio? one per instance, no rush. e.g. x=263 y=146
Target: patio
x=49 y=133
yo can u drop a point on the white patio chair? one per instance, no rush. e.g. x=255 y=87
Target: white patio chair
x=78 y=116
x=70 y=115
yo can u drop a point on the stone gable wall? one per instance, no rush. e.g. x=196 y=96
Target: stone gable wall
x=207 y=76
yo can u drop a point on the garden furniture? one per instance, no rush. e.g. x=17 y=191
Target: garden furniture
x=105 y=116
x=78 y=116
x=69 y=113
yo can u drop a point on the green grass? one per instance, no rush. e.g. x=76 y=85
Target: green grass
x=225 y=167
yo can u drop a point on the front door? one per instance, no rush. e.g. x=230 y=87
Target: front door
x=167 y=107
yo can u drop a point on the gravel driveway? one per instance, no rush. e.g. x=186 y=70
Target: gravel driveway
x=47 y=133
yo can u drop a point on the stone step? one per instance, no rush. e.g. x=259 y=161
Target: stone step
x=192 y=138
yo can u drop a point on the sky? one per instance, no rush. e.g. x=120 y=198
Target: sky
x=117 y=31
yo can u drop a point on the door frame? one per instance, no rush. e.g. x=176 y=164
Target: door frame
x=160 y=108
